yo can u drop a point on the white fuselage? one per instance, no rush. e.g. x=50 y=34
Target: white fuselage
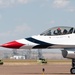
x=59 y=41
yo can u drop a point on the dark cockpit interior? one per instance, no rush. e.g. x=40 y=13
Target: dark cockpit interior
x=60 y=30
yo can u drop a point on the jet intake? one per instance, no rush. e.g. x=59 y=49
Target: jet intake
x=68 y=54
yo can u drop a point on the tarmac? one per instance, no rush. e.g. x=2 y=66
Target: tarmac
x=36 y=69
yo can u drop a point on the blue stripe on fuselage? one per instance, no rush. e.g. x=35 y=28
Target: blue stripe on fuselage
x=41 y=43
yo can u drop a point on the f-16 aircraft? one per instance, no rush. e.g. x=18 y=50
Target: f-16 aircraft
x=61 y=37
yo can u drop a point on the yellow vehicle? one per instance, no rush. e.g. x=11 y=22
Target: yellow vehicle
x=43 y=60
x=1 y=62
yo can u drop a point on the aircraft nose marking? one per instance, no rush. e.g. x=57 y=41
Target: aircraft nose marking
x=13 y=44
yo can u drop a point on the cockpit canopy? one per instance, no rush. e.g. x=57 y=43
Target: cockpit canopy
x=61 y=30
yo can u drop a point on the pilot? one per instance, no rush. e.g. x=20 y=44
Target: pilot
x=58 y=31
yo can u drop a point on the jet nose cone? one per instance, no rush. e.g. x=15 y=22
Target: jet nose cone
x=13 y=44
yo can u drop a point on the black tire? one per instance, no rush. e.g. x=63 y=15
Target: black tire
x=72 y=70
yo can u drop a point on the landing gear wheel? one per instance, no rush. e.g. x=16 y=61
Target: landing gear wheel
x=72 y=70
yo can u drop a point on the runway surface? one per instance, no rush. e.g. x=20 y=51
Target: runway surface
x=36 y=69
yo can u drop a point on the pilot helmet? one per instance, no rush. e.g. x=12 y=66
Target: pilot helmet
x=58 y=29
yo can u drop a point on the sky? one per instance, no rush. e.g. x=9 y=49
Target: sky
x=24 y=18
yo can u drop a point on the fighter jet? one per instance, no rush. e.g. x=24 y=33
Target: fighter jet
x=60 y=37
